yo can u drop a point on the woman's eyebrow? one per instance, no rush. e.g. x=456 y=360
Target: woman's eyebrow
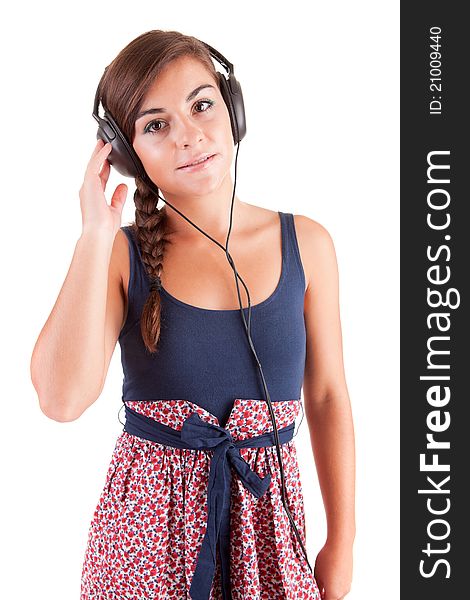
x=193 y=94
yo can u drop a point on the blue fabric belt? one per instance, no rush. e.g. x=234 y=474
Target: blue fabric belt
x=198 y=434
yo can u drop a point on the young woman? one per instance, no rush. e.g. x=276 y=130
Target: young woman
x=166 y=293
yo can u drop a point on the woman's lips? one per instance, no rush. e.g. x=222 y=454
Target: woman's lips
x=200 y=166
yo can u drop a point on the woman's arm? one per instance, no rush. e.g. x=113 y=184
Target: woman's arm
x=72 y=353
x=326 y=398
x=70 y=356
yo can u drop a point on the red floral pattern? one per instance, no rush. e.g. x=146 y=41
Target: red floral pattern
x=150 y=520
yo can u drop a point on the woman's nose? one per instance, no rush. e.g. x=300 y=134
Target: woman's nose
x=188 y=133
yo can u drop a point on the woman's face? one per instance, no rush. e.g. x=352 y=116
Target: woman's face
x=185 y=125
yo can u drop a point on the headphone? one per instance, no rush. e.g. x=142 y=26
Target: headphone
x=125 y=160
x=123 y=156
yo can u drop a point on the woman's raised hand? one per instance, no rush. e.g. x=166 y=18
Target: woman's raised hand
x=97 y=214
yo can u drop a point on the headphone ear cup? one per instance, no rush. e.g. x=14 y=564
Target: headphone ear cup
x=232 y=94
x=122 y=156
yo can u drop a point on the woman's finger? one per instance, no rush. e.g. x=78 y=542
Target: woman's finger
x=98 y=147
x=104 y=173
x=96 y=161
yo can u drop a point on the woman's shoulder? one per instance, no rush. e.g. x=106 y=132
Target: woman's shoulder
x=311 y=231
x=315 y=244
x=305 y=227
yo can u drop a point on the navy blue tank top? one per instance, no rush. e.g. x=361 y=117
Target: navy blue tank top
x=204 y=355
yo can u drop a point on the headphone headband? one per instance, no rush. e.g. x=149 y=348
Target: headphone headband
x=220 y=58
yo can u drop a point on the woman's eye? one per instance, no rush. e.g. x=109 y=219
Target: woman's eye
x=209 y=102
x=149 y=127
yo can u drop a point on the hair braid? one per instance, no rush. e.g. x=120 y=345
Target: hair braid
x=149 y=231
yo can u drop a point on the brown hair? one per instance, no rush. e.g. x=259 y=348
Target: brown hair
x=123 y=87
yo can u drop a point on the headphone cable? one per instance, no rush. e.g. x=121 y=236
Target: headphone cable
x=154 y=188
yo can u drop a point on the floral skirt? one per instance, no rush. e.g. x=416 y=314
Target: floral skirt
x=150 y=520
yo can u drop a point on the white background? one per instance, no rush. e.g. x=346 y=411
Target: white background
x=321 y=90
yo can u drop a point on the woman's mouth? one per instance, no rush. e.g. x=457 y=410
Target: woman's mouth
x=198 y=166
